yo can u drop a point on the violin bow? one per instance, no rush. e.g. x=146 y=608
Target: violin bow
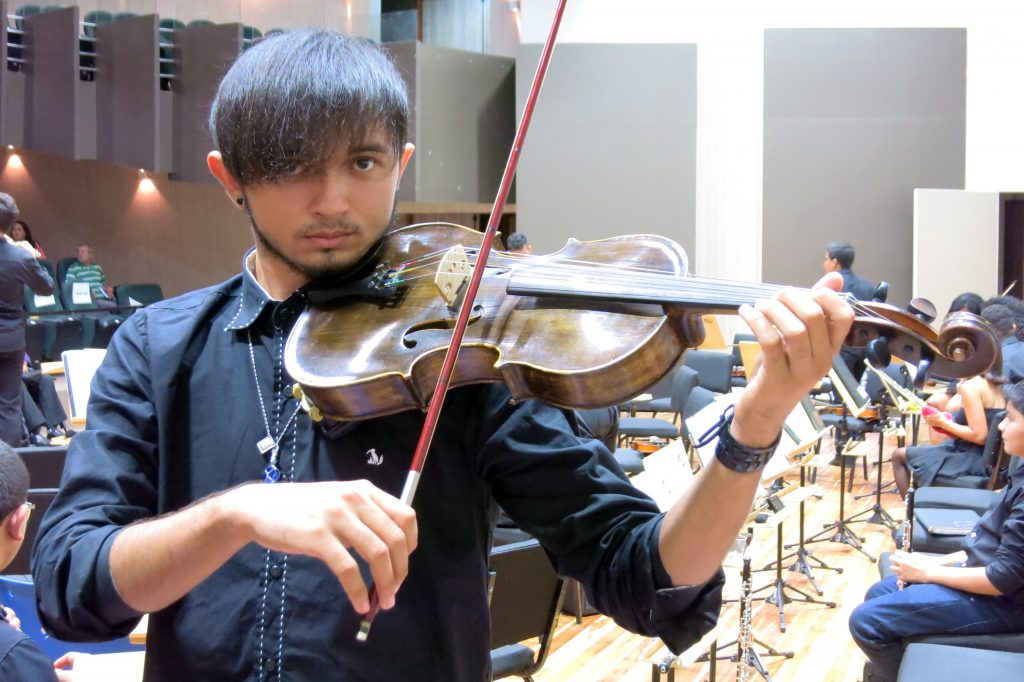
x=447 y=369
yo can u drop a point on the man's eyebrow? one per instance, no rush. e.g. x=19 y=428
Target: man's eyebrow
x=369 y=146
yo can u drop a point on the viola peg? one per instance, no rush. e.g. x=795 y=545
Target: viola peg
x=881 y=293
x=922 y=309
x=923 y=368
x=297 y=392
x=879 y=354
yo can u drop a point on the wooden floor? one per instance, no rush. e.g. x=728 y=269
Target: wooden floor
x=819 y=637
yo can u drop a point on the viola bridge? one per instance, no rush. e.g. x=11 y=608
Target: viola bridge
x=452 y=274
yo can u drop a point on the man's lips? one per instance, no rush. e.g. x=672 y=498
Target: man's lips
x=327 y=240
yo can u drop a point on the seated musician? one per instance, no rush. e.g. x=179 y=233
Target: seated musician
x=202 y=494
x=979 y=590
x=977 y=400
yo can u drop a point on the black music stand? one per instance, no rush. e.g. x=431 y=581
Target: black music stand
x=878 y=514
x=753 y=656
x=777 y=590
x=804 y=556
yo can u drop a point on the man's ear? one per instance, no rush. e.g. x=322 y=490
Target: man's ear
x=15 y=523
x=215 y=162
x=403 y=160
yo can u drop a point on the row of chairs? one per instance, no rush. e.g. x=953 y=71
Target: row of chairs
x=69 y=319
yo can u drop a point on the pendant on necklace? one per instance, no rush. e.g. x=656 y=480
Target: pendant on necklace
x=271 y=474
x=265 y=445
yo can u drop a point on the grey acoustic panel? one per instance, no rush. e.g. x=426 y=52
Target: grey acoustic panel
x=612 y=148
x=51 y=53
x=127 y=84
x=463 y=122
x=405 y=58
x=854 y=121
x=203 y=54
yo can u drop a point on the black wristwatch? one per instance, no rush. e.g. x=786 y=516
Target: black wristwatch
x=738 y=457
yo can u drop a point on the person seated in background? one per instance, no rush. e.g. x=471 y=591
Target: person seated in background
x=1016 y=306
x=517 y=243
x=41 y=409
x=839 y=258
x=21 y=235
x=967 y=302
x=20 y=657
x=89 y=271
x=979 y=590
x=977 y=400
x=43 y=391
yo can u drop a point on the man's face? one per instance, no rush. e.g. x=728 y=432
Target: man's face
x=319 y=223
x=84 y=255
x=830 y=264
x=1012 y=427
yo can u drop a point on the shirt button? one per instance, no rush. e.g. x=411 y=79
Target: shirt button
x=276 y=572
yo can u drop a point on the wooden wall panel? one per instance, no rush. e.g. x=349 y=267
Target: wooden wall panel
x=127 y=85
x=181 y=235
x=51 y=54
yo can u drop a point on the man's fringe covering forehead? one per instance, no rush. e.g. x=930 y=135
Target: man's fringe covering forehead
x=287 y=103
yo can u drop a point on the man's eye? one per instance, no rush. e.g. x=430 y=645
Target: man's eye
x=365 y=164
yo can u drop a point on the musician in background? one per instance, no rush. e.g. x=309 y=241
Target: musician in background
x=977 y=400
x=979 y=590
x=169 y=503
x=517 y=243
x=839 y=258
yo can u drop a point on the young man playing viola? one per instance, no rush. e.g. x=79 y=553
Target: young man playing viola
x=164 y=509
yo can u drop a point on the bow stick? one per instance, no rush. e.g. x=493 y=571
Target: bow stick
x=444 y=378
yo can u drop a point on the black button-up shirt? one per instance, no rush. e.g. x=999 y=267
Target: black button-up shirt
x=175 y=416
x=21 y=659
x=997 y=542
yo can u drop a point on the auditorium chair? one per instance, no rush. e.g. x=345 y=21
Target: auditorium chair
x=932 y=662
x=61 y=332
x=687 y=398
x=98 y=325
x=138 y=295
x=62 y=270
x=603 y=424
x=526 y=598
x=18 y=592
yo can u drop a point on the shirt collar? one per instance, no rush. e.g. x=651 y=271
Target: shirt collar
x=252 y=299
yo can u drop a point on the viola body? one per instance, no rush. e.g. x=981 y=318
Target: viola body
x=591 y=325
x=364 y=358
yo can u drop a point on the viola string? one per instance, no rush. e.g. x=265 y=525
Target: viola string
x=674 y=284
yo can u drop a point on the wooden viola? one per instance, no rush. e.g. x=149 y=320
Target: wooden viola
x=588 y=326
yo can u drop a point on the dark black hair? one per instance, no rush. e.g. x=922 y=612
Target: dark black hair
x=969 y=301
x=24 y=226
x=1016 y=306
x=842 y=252
x=516 y=240
x=1014 y=392
x=8 y=211
x=286 y=104
x=13 y=480
x=1000 y=318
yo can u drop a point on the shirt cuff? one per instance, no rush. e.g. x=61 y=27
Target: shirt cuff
x=682 y=615
x=113 y=607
